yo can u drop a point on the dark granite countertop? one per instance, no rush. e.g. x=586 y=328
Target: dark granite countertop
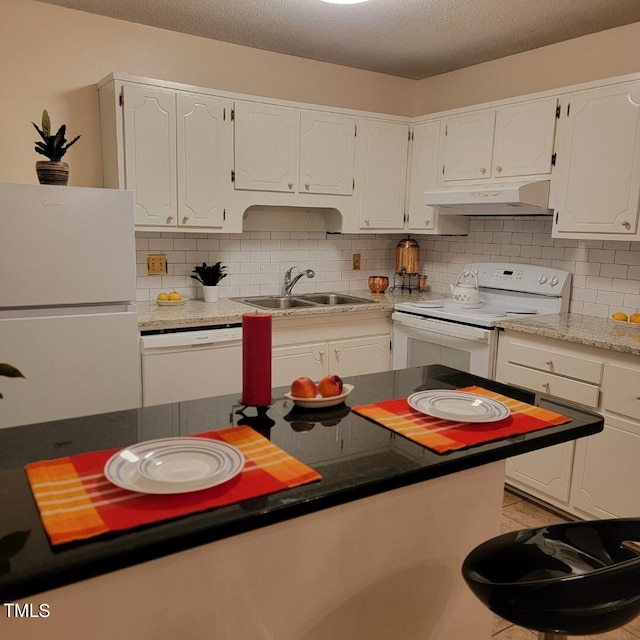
x=355 y=457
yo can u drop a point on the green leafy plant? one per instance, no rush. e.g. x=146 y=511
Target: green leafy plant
x=210 y=274
x=9 y=372
x=54 y=146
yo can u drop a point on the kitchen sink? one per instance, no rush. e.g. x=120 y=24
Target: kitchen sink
x=333 y=298
x=304 y=301
x=276 y=302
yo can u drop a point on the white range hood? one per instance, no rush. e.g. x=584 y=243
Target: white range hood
x=510 y=198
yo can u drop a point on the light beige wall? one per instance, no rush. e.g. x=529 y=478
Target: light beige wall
x=593 y=57
x=51 y=57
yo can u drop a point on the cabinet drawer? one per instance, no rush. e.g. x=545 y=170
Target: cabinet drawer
x=621 y=390
x=551 y=384
x=552 y=361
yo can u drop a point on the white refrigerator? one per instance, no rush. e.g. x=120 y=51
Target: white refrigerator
x=67 y=317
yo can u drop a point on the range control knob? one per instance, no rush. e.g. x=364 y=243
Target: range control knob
x=554 y=281
x=542 y=278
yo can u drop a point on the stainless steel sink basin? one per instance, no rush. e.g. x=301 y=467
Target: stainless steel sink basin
x=303 y=301
x=333 y=298
x=276 y=302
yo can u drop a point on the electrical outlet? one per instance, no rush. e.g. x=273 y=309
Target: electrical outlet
x=356 y=261
x=156 y=264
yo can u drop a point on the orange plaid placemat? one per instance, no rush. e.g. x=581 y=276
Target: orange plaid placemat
x=442 y=436
x=76 y=501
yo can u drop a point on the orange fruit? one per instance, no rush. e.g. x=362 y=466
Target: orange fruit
x=619 y=315
x=634 y=317
x=174 y=295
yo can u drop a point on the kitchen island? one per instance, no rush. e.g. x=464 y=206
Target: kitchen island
x=372 y=550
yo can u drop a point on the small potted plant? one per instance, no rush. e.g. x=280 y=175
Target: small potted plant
x=9 y=371
x=52 y=171
x=209 y=275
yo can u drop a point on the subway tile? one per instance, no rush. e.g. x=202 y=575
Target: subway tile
x=598 y=310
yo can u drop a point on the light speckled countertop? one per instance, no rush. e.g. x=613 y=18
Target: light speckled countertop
x=587 y=330
x=198 y=313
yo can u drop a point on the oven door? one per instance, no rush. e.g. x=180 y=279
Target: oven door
x=421 y=341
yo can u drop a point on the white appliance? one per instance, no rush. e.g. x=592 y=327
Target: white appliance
x=509 y=198
x=67 y=279
x=184 y=364
x=464 y=336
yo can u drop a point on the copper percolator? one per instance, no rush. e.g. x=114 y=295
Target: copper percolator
x=407 y=257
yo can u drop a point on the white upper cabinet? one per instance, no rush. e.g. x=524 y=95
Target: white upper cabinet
x=423 y=175
x=468 y=145
x=523 y=144
x=595 y=187
x=150 y=154
x=293 y=150
x=383 y=166
x=506 y=142
x=327 y=152
x=267 y=139
x=204 y=160
x=177 y=156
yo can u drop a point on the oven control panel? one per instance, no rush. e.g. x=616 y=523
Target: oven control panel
x=525 y=278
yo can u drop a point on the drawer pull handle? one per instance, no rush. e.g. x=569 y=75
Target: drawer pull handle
x=546 y=385
x=637 y=397
x=549 y=363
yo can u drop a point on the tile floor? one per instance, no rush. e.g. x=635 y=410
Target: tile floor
x=518 y=513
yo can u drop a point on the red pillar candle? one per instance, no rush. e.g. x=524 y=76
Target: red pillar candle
x=256 y=359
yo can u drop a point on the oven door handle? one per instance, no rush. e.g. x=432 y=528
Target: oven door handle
x=442 y=326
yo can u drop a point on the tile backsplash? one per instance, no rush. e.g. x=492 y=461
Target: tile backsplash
x=606 y=273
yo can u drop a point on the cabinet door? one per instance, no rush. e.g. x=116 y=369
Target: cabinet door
x=524 y=138
x=423 y=174
x=595 y=185
x=150 y=154
x=606 y=473
x=204 y=159
x=266 y=147
x=468 y=141
x=621 y=390
x=289 y=363
x=327 y=146
x=384 y=169
x=546 y=473
x=359 y=355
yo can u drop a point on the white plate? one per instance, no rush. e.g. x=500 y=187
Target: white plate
x=171 y=303
x=174 y=465
x=319 y=402
x=462 y=406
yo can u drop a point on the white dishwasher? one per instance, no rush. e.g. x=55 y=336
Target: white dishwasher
x=185 y=364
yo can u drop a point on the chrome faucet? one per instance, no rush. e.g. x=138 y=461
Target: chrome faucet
x=289 y=283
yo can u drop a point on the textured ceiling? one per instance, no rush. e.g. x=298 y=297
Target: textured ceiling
x=407 y=38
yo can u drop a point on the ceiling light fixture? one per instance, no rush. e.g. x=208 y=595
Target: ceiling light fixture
x=345 y=1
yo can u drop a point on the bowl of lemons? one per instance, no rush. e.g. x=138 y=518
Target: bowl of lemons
x=171 y=299
x=621 y=316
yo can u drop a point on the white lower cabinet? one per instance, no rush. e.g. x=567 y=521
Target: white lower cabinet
x=593 y=477
x=346 y=347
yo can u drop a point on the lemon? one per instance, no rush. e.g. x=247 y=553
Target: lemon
x=618 y=315
x=162 y=296
x=634 y=317
x=174 y=295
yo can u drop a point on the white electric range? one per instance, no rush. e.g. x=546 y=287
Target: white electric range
x=463 y=335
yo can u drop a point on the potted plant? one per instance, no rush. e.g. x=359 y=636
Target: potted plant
x=52 y=171
x=9 y=371
x=209 y=275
